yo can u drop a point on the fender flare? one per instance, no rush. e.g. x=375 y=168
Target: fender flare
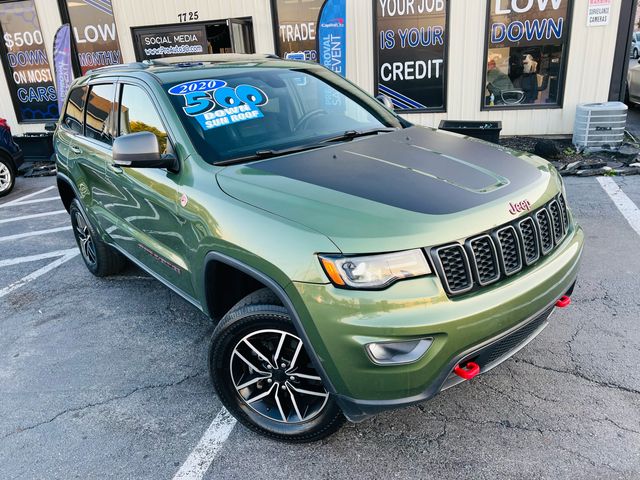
x=286 y=302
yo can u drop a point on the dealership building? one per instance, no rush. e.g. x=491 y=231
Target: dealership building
x=527 y=63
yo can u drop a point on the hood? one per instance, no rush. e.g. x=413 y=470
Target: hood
x=409 y=188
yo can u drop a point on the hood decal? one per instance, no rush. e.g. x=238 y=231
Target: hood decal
x=415 y=169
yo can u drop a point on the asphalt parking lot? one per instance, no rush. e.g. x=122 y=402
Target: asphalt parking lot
x=105 y=378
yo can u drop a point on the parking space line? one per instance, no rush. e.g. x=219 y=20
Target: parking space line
x=33 y=215
x=38 y=273
x=29 y=202
x=18 y=200
x=35 y=233
x=35 y=258
x=627 y=208
x=200 y=459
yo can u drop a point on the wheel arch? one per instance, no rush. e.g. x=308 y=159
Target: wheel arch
x=218 y=263
x=67 y=190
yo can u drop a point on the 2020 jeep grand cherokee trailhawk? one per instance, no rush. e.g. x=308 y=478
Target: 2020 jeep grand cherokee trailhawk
x=353 y=262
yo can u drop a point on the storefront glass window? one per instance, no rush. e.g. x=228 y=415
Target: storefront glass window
x=94 y=33
x=411 y=53
x=26 y=63
x=526 y=53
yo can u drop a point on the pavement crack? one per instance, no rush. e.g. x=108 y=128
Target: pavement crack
x=582 y=376
x=102 y=402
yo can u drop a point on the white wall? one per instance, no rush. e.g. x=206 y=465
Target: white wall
x=591 y=55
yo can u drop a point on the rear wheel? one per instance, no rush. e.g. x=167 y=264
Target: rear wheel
x=7 y=177
x=100 y=258
x=263 y=375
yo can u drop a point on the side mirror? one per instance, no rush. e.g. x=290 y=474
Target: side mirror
x=140 y=150
x=386 y=101
x=50 y=127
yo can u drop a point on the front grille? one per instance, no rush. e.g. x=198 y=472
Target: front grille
x=504 y=251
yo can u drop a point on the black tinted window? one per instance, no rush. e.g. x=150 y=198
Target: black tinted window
x=99 y=125
x=75 y=106
x=138 y=114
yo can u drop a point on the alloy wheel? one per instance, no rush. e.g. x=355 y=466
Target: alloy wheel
x=273 y=376
x=5 y=177
x=87 y=248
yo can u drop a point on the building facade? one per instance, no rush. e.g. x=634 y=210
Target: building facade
x=527 y=63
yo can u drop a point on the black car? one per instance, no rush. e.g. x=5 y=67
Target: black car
x=10 y=159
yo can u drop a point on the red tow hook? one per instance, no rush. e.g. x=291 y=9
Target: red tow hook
x=564 y=301
x=470 y=370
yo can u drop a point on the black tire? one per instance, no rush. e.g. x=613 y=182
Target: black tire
x=635 y=53
x=7 y=176
x=100 y=258
x=255 y=318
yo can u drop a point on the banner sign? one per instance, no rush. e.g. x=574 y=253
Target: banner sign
x=410 y=53
x=26 y=64
x=95 y=34
x=62 y=62
x=598 y=13
x=313 y=30
x=332 y=36
x=158 y=42
x=522 y=24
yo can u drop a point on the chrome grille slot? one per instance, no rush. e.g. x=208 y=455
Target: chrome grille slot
x=509 y=250
x=544 y=226
x=565 y=213
x=454 y=264
x=556 y=220
x=530 y=241
x=484 y=259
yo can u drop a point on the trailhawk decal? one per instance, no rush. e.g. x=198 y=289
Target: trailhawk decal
x=214 y=104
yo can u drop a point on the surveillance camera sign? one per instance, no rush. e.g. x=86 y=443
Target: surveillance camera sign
x=598 y=13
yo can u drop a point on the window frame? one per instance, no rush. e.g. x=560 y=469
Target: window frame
x=97 y=82
x=82 y=113
x=142 y=86
x=562 y=78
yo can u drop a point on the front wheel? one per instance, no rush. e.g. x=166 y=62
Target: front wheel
x=7 y=177
x=263 y=374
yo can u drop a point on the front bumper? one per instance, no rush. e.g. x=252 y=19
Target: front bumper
x=339 y=323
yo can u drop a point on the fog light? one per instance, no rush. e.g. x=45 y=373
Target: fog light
x=395 y=353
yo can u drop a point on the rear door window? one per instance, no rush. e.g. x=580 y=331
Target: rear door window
x=98 y=118
x=74 y=110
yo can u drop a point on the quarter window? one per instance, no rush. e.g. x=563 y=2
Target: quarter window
x=526 y=53
x=75 y=108
x=138 y=114
x=98 y=119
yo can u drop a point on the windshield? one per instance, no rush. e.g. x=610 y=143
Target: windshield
x=234 y=113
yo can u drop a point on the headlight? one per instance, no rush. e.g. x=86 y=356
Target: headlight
x=374 y=271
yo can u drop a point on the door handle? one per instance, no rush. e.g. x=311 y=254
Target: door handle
x=75 y=149
x=115 y=168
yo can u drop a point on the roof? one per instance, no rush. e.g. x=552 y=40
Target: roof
x=172 y=68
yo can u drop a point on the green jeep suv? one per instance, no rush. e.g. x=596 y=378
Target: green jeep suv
x=352 y=262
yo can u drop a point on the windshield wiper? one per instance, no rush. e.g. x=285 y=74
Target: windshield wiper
x=260 y=154
x=351 y=134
